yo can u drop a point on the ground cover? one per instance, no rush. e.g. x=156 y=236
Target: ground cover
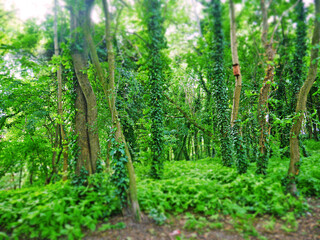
x=194 y=200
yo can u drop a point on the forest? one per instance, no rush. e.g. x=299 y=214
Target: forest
x=161 y=119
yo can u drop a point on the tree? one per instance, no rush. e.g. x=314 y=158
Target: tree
x=268 y=43
x=156 y=43
x=121 y=153
x=294 y=165
x=60 y=127
x=241 y=162
x=86 y=104
x=216 y=74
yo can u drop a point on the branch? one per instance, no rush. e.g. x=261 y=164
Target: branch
x=279 y=20
x=117 y=22
x=125 y=4
x=134 y=33
x=204 y=84
x=192 y=121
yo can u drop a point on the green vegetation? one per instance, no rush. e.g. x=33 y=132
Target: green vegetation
x=50 y=211
x=171 y=111
x=203 y=187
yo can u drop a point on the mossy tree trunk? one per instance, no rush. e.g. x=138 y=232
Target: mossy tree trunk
x=268 y=43
x=133 y=196
x=262 y=161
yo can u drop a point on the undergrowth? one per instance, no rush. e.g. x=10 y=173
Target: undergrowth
x=204 y=187
x=56 y=210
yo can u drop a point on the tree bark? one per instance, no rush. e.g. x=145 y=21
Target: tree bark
x=91 y=115
x=236 y=64
x=87 y=113
x=135 y=208
x=81 y=129
x=294 y=165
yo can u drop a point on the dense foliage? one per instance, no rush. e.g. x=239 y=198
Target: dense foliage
x=203 y=186
x=90 y=103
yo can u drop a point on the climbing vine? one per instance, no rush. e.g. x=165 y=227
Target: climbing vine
x=70 y=109
x=296 y=75
x=298 y=65
x=241 y=158
x=119 y=175
x=216 y=75
x=156 y=65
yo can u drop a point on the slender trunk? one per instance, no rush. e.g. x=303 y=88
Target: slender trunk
x=55 y=146
x=196 y=145
x=262 y=160
x=236 y=65
x=294 y=165
x=241 y=162
x=20 y=175
x=60 y=107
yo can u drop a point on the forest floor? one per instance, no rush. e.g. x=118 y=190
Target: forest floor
x=180 y=227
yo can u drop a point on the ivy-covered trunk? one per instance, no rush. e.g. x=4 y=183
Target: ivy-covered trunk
x=216 y=75
x=294 y=165
x=155 y=64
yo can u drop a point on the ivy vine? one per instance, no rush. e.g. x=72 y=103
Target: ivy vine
x=156 y=64
x=241 y=159
x=119 y=175
x=216 y=75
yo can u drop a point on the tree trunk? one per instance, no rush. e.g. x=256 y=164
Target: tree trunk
x=79 y=62
x=64 y=146
x=262 y=160
x=196 y=145
x=89 y=139
x=294 y=165
x=83 y=159
x=110 y=93
x=236 y=65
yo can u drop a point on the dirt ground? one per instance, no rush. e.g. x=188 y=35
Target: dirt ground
x=263 y=227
